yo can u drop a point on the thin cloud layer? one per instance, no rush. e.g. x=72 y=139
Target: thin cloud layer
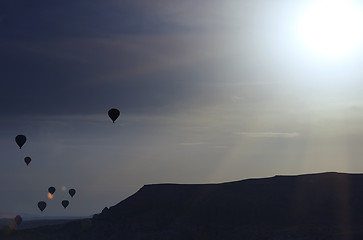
x=191 y=143
x=270 y=134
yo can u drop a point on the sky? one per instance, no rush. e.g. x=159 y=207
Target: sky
x=209 y=91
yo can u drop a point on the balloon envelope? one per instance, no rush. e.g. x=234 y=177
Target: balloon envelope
x=65 y=203
x=113 y=113
x=20 y=140
x=42 y=205
x=72 y=192
x=18 y=220
x=27 y=160
x=51 y=190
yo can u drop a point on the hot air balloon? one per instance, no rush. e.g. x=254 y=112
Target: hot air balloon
x=65 y=203
x=42 y=205
x=51 y=190
x=20 y=140
x=27 y=160
x=18 y=219
x=113 y=113
x=72 y=192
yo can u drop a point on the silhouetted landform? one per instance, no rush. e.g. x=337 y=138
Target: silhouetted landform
x=312 y=206
x=5 y=222
x=39 y=223
x=8 y=223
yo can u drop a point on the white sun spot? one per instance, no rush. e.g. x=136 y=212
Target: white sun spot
x=331 y=28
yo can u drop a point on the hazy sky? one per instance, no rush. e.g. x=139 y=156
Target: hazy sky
x=209 y=91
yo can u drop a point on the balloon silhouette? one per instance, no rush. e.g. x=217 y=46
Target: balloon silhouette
x=20 y=140
x=18 y=219
x=27 y=160
x=42 y=205
x=113 y=113
x=72 y=192
x=51 y=190
x=65 y=203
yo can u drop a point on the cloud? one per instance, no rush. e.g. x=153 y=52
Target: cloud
x=222 y=147
x=191 y=143
x=270 y=134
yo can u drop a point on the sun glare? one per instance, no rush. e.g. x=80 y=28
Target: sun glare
x=331 y=28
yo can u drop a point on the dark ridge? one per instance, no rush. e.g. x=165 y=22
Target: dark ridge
x=312 y=198
x=312 y=206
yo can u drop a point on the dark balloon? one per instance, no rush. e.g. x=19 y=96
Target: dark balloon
x=27 y=160
x=72 y=192
x=42 y=205
x=51 y=190
x=65 y=203
x=18 y=220
x=113 y=113
x=20 y=140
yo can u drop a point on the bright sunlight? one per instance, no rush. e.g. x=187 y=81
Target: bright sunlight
x=331 y=28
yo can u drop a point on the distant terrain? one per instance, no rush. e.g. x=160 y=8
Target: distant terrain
x=33 y=223
x=312 y=206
